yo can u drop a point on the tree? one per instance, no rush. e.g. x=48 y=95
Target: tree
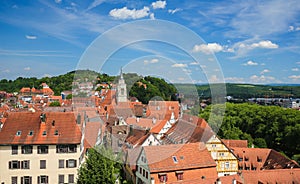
x=54 y=104
x=100 y=166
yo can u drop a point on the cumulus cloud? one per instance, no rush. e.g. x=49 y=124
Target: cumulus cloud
x=151 y=61
x=234 y=79
x=125 y=13
x=174 y=10
x=159 y=4
x=261 y=79
x=295 y=69
x=292 y=28
x=294 y=77
x=31 y=37
x=250 y=63
x=152 y=17
x=179 y=65
x=57 y=1
x=27 y=68
x=208 y=48
x=265 y=44
x=264 y=71
x=194 y=63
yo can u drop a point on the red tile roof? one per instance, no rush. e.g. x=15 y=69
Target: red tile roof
x=188 y=156
x=64 y=123
x=235 y=143
x=272 y=176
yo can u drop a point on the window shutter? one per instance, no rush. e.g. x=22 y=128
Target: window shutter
x=46 y=179
x=75 y=163
x=18 y=165
x=28 y=164
x=9 y=164
x=22 y=165
x=67 y=163
x=22 y=180
x=39 y=180
x=30 y=179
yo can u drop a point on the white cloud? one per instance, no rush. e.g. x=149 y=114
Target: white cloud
x=208 y=48
x=174 y=10
x=47 y=75
x=261 y=79
x=151 y=61
x=179 y=65
x=95 y=4
x=57 y=1
x=264 y=44
x=152 y=17
x=31 y=37
x=250 y=63
x=125 y=13
x=159 y=4
x=27 y=68
x=294 y=77
x=298 y=63
x=292 y=29
x=234 y=79
x=194 y=63
x=264 y=71
x=295 y=69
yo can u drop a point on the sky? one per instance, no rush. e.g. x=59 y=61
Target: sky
x=198 y=41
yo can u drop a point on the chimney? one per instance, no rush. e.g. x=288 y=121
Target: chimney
x=233 y=181
x=78 y=120
x=130 y=130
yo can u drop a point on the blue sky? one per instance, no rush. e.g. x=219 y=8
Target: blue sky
x=247 y=41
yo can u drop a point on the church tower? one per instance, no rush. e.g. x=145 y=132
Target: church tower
x=121 y=89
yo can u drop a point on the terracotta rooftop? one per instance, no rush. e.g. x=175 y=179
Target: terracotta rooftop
x=272 y=176
x=188 y=131
x=27 y=128
x=188 y=156
x=235 y=143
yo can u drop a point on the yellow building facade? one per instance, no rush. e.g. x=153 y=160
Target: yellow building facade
x=227 y=162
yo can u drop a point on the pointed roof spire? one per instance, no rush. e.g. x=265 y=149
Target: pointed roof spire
x=121 y=73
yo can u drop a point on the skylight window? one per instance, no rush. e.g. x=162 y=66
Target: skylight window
x=19 y=133
x=175 y=159
x=30 y=133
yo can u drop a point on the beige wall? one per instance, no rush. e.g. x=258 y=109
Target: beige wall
x=52 y=170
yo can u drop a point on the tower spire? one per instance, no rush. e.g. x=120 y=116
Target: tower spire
x=121 y=73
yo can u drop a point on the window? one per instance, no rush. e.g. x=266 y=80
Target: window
x=246 y=158
x=71 y=178
x=42 y=149
x=61 y=163
x=14 y=150
x=30 y=133
x=15 y=164
x=26 y=149
x=221 y=154
x=18 y=133
x=42 y=164
x=56 y=132
x=43 y=179
x=179 y=175
x=71 y=163
x=64 y=148
x=61 y=179
x=44 y=133
x=25 y=164
x=26 y=180
x=213 y=145
x=147 y=174
x=226 y=165
x=259 y=159
x=14 y=180
x=175 y=159
x=163 y=177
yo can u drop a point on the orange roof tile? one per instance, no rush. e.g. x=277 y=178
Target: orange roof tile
x=188 y=156
x=272 y=176
x=63 y=122
x=235 y=143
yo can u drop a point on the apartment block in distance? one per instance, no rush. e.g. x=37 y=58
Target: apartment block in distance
x=39 y=148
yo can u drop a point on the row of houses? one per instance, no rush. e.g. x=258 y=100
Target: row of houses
x=160 y=144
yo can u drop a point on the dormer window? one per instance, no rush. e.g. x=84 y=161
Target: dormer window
x=30 y=133
x=56 y=132
x=44 y=133
x=18 y=133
